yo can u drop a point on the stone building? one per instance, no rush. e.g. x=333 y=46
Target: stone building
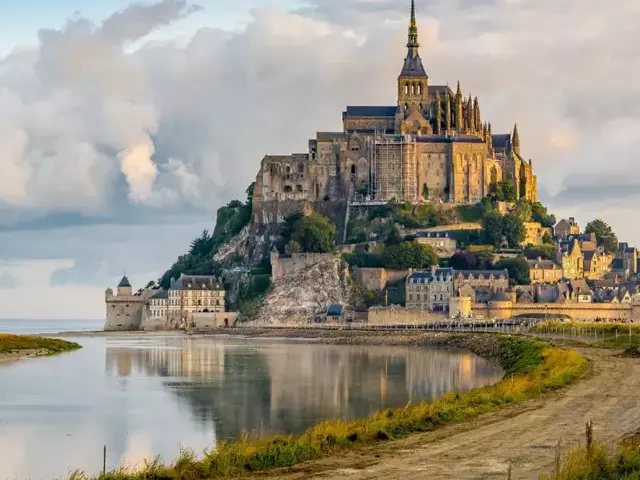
x=442 y=243
x=433 y=145
x=566 y=228
x=124 y=309
x=544 y=271
x=597 y=264
x=493 y=280
x=430 y=290
x=534 y=234
x=572 y=261
x=195 y=293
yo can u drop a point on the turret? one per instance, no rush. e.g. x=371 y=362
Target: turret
x=438 y=115
x=124 y=287
x=447 y=111
x=476 y=116
x=515 y=140
x=470 y=119
x=108 y=293
x=458 y=113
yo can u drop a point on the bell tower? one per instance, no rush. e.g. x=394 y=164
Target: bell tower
x=413 y=81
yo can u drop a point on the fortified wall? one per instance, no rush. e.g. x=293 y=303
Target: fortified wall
x=296 y=263
x=576 y=311
x=124 y=310
x=176 y=320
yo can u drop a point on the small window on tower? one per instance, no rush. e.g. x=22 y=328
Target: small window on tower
x=419 y=89
x=413 y=89
x=406 y=89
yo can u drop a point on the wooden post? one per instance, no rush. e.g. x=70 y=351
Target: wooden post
x=589 y=436
x=509 y=471
x=557 y=457
x=104 y=460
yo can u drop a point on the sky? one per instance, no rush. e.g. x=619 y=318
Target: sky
x=124 y=126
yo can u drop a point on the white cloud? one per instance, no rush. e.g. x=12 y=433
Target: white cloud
x=199 y=114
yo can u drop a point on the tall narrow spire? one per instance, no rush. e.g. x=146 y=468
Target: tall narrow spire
x=515 y=140
x=447 y=112
x=459 y=110
x=412 y=63
x=413 y=28
x=438 y=114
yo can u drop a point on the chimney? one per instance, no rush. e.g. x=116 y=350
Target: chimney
x=572 y=220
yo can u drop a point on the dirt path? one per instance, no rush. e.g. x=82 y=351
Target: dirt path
x=525 y=436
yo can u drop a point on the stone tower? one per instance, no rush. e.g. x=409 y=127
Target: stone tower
x=124 y=287
x=413 y=81
x=124 y=309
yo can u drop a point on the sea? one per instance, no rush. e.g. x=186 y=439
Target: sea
x=33 y=327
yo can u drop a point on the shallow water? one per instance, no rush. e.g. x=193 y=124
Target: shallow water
x=143 y=395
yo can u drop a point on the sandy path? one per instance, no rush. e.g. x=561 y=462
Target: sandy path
x=525 y=435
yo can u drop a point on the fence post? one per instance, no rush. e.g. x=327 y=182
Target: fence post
x=589 y=436
x=557 y=458
x=509 y=471
x=104 y=460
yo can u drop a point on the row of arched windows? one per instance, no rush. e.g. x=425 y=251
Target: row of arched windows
x=413 y=88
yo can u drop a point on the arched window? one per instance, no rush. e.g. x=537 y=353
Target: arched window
x=353 y=169
x=287 y=189
x=301 y=168
x=406 y=89
x=419 y=89
x=288 y=169
x=494 y=175
x=413 y=89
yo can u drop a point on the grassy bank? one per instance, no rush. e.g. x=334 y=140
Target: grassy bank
x=16 y=344
x=531 y=368
x=600 y=463
x=606 y=335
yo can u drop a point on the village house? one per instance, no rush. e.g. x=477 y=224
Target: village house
x=496 y=280
x=544 y=271
x=597 y=264
x=565 y=228
x=196 y=293
x=574 y=291
x=572 y=261
x=430 y=290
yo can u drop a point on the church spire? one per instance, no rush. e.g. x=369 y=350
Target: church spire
x=412 y=63
x=459 y=112
x=413 y=29
x=515 y=140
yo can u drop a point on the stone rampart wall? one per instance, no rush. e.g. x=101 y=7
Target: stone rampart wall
x=576 y=311
x=208 y=321
x=297 y=263
x=124 y=313
x=401 y=316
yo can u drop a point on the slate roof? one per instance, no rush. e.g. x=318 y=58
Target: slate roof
x=413 y=67
x=542 y=264
x=617 y=264
x=485 y=273
x=124 y=282
x=580 y=286
x=370 y=111
x=160 y=294
x=430 y=277
x=196 y=282
x=442 y=89
x=502 y=140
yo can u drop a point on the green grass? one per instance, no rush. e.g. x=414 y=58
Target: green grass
x=605 y=335
x=16 y=343
x=600 y=463
x=532 y=367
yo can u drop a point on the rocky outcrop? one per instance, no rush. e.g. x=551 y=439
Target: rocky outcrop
x=300 y=296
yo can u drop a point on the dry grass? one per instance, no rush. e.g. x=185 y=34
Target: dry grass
x=532 y=367
x=600 y=463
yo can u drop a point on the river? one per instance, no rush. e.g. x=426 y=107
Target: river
x=143 y=395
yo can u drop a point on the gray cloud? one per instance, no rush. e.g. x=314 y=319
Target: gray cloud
x=96 y=135
x=8 y=281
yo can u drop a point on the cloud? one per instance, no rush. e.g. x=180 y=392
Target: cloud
x=8 y=281
x=101 y=128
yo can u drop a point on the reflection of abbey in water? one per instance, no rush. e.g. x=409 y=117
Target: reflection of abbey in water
x=288 y=386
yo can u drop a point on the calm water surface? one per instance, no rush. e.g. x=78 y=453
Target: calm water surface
x=143 y=395
x=31 y=327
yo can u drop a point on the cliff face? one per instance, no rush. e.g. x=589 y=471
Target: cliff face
x=301 y=294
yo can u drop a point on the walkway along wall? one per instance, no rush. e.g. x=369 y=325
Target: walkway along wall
x=576 y=311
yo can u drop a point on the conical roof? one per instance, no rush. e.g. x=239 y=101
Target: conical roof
x=124 y=282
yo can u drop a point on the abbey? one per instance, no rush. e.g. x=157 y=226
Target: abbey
x=431 y=146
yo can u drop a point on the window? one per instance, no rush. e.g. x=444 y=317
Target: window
x=299 y=188
x=406 y=89
x=287 y=189
x=413 y=89
x=419 y=89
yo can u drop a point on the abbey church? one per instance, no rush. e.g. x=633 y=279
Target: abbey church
x=432 y=146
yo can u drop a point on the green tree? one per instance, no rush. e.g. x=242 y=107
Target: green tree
x=409 y=255
x=546 y=251
x=315 y=233
x=522 y=210
x=518 y=269
x=513 y=230
x=463 y=260
x=394 y=238
x=492 y=225
x=425 y=191
x=508 y=192
x=607 y=239
x=292 y=247
x=540 y=214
